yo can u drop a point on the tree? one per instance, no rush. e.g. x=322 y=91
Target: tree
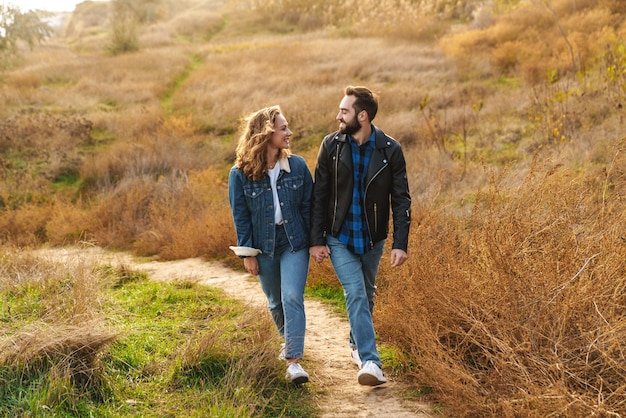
x=17 y=27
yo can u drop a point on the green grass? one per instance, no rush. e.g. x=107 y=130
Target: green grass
x=182 y=350
x=331 y=295
x=166 y=102
x=68 y=178
x=108 y=105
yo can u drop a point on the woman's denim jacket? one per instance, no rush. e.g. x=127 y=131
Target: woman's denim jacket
x=252 y=206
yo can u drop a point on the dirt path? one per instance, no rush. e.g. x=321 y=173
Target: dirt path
x=327 y=356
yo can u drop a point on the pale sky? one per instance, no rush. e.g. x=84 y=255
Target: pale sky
x=50 y=5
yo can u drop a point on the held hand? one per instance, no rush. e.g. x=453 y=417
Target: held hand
x=252 y=265
x=398 y=257
x=319 y=253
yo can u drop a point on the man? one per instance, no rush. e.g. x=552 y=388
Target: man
x=360 y=175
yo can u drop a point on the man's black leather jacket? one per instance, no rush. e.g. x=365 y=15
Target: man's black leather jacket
x=386 y=185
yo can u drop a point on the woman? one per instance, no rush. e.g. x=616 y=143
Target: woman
x=269 y=190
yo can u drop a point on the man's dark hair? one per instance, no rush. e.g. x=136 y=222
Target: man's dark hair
x=365 y=100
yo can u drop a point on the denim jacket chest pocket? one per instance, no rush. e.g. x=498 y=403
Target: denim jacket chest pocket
x=254 y=193
x=292 y=184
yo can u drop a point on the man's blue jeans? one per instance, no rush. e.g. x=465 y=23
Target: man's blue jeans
x=283 y=278
x=357 y=274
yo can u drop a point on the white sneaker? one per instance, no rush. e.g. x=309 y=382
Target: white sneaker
x=370 y=375
x=354 y=356
x=281 y=353
x=296 y=374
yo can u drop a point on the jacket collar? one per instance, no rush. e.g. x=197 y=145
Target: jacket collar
x=284 y=165
x=379 y=137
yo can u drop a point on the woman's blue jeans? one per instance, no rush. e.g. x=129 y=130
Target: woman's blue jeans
x=283 y=278
x=357 y=274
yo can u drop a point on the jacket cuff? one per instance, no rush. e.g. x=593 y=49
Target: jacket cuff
x=245 y=251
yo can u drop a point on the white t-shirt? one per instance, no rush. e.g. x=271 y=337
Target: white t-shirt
x=273 y=173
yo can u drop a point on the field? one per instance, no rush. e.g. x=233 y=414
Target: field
x=119 y=132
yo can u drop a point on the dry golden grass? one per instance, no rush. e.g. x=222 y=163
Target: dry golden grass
x=25 y=227
x=511 y=298
x=522 y=296
x=309 y=84
x=530 y=40
x=397 y=18
x=69 y=333
x=255 y=346
x=191 y=223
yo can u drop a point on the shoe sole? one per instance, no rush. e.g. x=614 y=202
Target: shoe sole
x=370 y=380
x=300 y=380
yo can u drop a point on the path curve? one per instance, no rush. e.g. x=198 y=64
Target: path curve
x=327 y=355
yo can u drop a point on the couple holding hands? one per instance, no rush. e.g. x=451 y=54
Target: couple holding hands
x=282 y=218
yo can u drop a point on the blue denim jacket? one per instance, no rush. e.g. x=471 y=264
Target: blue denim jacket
x=252 y=206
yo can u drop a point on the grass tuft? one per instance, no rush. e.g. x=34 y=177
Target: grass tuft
x=131 y=346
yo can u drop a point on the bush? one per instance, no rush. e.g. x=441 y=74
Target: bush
x=124 y=36
x=523 y=298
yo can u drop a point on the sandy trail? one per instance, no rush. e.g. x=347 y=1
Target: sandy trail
x=327 y=356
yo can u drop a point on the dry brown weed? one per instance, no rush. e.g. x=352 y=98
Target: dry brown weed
x=520 y=299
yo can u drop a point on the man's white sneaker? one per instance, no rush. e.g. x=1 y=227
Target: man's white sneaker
x=281 y=353
x=355 y=358
x=296 y=374
x=371 y=375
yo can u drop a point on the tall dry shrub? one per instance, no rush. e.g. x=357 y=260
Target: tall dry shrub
x=25 y=226
x=551 y=111
x=193 y=221
x=535 y=37
x=66 y=223
x=124 y=27
x=518 y=310
x=156 y=195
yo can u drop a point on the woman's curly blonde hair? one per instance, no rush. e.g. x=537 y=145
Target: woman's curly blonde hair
x=251 y=155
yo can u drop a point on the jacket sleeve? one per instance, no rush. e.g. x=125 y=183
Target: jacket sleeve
x=241 y=215
x=321 y=196
x=400 y=201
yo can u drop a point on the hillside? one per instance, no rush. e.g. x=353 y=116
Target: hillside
x=120 y=130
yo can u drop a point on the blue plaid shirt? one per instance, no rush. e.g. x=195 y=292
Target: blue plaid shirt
x=354 y=232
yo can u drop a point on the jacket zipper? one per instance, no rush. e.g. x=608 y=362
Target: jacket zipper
x=336 y=187
x=367 y=221
x=375 y=218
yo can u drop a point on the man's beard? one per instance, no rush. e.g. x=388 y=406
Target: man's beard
x=350 y=128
